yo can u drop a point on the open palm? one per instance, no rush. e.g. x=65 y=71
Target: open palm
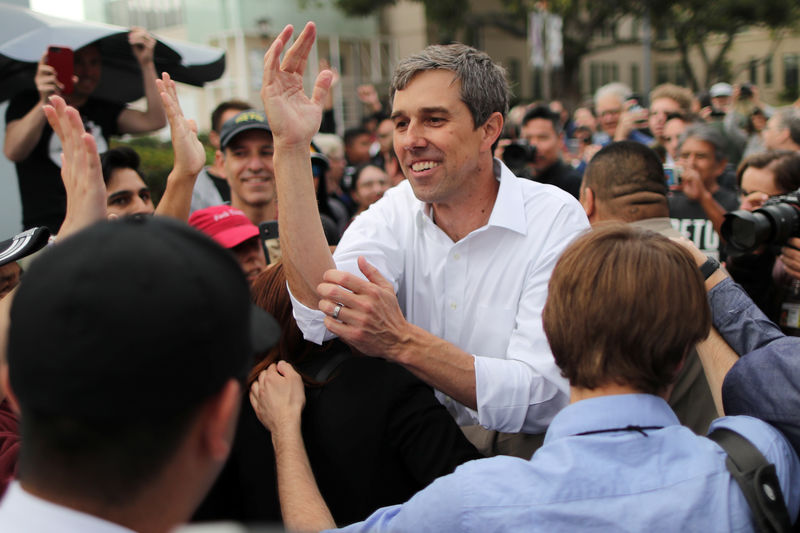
x=294 y=118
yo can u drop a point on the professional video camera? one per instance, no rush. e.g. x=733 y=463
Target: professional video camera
x=772 y=223
x=517 y=154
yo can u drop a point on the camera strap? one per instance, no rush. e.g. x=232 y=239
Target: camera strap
x=758 y=480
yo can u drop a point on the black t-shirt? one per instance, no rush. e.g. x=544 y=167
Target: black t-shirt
x=562 y=176
x=44 y=200
x=689 y=219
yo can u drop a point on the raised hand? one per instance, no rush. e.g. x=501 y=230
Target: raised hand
x=143 y=44
x=46 y=81
x=80 y=168
x=190 y=156
x=293 y=117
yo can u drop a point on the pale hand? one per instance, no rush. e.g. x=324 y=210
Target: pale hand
x=47 y=83
x=293 y=117
x=190 y=156
x=370 y=319
x=790 y=255
x=691 y=184
x=80 y=168
x=278 y=397
x=142 y=44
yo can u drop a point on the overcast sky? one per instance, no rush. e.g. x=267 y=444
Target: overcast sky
x=68 y=9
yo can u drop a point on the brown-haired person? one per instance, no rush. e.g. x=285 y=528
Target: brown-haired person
x=760 y=177
x=375 y=433
x=625 y=182
x=616 y=458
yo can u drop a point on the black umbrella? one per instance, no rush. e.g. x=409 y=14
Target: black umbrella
x=25 y=36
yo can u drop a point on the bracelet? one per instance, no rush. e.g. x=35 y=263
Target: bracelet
x=709 y=267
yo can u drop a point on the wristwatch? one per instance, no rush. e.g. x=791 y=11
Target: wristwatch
x=709 y=267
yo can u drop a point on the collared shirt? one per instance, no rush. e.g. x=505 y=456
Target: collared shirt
x=765 y=381
x=652 y=480
x=484 y=293
x=23 y=512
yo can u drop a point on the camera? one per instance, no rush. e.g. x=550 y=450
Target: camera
x=746 y=91
x=772 y=223
x=517 y=154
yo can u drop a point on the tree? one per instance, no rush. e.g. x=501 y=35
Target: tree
x=452 y=19
x=710 y=27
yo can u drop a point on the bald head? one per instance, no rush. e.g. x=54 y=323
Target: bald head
x=624 y=181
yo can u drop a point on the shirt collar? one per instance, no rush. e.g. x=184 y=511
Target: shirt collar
x=610 y=412
x=509 y=206
x=42 y=515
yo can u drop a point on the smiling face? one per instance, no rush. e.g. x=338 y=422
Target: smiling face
x=248 y=168
x=128 y=194
x=439 y=148
x=87 y=65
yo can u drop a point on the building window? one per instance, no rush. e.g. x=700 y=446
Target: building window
x=768 y=71
x=680 y=75
x=753 y=71
x=662 y=73
x=635 y=81
x=594 y=77
x=791 y=75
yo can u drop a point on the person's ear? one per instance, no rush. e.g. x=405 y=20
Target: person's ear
x=492 y=129
x=219 y=419
x=213 y=139
x=587 y=200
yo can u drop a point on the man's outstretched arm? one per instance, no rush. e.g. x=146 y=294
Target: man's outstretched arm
x=278 y=398
x=294 y=119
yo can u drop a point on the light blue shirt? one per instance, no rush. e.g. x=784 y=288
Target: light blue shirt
x=639 y=481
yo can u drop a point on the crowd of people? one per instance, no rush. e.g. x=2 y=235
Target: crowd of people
x=456 y=317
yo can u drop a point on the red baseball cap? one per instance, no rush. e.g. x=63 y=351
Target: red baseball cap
x=225 y=224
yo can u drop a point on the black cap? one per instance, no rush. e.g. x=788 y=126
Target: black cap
x=131 y=317
x=23 y=244
x=246 y=120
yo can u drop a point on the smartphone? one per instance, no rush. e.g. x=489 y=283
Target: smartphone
x=672 y=174
x=60 y=58
x=269 y=236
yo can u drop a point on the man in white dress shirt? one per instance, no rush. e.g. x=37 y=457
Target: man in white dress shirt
x=447 y=274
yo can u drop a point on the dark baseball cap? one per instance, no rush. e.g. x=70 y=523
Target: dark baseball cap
x=244 y=121
x=129 y=317
x=23 y=244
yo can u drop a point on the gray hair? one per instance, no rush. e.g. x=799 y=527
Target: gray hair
x=790 y=119
x=484 y=88
x=620 y=90
x=706 y=133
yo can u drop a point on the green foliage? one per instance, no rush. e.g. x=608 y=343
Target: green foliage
x=157 y=160
x=362 y=8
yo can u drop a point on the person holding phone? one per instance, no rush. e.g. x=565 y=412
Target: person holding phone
x=29 y=140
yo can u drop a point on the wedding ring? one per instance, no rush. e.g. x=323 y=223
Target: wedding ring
x=336 y=311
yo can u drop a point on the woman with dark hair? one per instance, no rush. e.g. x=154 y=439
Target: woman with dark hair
x=760 y=177
x=375 y=434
